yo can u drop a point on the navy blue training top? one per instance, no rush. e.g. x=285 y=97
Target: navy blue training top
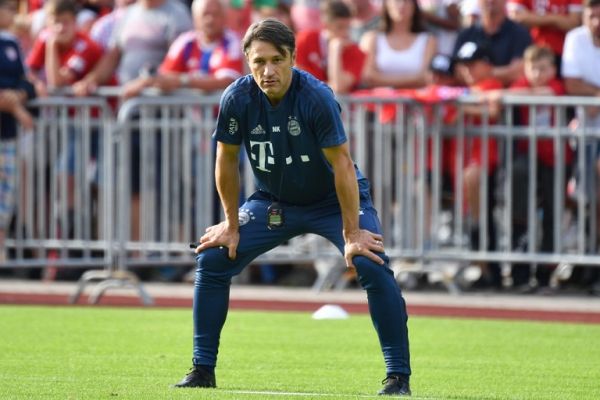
x=507 y=44
x=12 y=76
x=284 y=142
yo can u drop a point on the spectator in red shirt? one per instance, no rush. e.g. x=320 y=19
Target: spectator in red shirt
x=62 y=55
x=548 y=20
x=329 y=54
x=207 y=58
x=33 y=5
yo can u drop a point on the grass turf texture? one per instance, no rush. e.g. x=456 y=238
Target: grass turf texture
x=127 y=353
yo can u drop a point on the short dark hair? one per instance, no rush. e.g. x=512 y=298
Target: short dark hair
x=57 y=7
x=591 y=3
x=3 y=2
x=271 y=31
x=335 y=9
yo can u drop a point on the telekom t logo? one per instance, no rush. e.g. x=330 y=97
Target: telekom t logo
x=262 y=152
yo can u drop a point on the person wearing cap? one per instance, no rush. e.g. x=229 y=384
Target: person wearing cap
x=441 y=71
x=505 y=39
x=442 y=84
x=475 y=67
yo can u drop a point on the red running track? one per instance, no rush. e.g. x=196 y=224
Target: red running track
x=413 y=310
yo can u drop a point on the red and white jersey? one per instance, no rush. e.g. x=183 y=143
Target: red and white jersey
x=222 y=59
x=544 y=118
x=80 y=58
x=547 y=36
x=311 y=56
x=33 y=5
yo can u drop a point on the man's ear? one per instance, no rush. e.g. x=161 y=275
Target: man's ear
x=293 y=55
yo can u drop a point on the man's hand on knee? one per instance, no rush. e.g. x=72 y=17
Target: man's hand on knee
x=219 y=235
x=363 y=243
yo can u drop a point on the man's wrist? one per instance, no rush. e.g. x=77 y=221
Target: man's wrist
x=232 y=224
x=348 y=233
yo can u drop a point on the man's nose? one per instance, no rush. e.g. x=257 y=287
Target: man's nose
x=268 y=69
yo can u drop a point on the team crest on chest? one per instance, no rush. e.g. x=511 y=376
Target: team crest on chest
x=293 y=126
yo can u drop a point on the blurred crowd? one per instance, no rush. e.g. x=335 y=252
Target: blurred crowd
x=491 y=47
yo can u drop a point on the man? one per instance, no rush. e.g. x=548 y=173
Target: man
x=140 y=40
x=62 y=54
x=329 y=54
x=290 y=126
x=207 y=58
x=506 y=40
x=548 y=20
x=581 y=72
x=102 y=29
x=139 y=43
x=581 y=53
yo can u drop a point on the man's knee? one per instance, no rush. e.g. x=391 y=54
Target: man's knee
x=370 y=272
x=214 y=264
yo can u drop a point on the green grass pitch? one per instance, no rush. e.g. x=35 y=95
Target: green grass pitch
x=136 y=353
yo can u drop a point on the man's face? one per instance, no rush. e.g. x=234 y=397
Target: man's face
x=64 y=26
x=591 y=19
x=539 y=72
x=492 y=7
x=209 y=18
x=8 y=10
x=271 y=70
x=338 y=28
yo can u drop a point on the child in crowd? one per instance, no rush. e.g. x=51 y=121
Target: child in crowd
x=540 y=78
x=62 y=55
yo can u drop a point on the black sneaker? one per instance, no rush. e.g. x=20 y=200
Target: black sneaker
x=198 y=377
x=395 y=385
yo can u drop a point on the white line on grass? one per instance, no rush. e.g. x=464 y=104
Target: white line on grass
x=306 y=394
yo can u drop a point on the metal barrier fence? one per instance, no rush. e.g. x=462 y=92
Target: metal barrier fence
x=404 y=147
x=64 y=204
x=131 y=191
